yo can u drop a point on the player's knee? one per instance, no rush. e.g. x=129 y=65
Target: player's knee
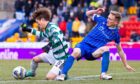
x=36 y=59
x=76 y=53
x=50 y=77
x=105 y=49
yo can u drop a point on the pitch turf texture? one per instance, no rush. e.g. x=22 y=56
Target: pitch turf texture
x=83 y=72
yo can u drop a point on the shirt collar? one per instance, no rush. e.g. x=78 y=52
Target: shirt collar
x=112 y=28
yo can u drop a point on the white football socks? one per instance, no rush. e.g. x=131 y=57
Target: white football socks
x=34 y=66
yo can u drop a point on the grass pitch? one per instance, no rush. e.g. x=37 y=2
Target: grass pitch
x=83 y=72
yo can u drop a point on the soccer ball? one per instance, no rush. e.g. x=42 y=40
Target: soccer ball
x=19 y=72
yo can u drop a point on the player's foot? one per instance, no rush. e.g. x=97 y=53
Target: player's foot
x=29 y=74
x=62 y=77
x=105 y=77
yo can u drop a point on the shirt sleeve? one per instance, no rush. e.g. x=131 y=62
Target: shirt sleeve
x=98 y=18
x=39 y=33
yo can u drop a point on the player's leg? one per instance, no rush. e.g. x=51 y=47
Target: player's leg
x=104 y=52
x=34 y=65
x=68 y=64
x=43 y=57
x=77 y=53
x=55 y=71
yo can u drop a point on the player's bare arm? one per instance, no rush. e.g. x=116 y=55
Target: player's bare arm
x=97 y=11
x=123 y=58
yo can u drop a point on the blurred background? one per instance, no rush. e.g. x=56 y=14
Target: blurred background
x=70 y=16
x=17 y=48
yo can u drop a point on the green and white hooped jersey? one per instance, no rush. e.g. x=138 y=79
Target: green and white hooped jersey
x=56 y=37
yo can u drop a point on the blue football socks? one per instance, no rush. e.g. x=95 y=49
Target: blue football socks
x=105 y=62
x=68 y=64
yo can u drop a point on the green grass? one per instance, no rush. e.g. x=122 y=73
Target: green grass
x=83 y=72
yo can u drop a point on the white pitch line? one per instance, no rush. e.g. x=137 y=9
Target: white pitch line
x=17 y=81
x=71 y=78
x=95 y=76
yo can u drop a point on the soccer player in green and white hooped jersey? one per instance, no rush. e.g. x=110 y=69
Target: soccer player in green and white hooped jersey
x=56 y=39
x=56 y=51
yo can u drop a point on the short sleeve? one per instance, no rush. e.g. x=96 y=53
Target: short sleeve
x=98 y=18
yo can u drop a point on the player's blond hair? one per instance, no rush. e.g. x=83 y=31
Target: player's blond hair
x=117 y=15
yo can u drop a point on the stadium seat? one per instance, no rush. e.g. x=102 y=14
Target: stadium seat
x=73 y=44
x=11 y=39
x=72 y=39
x=31 y=38
x=24 y=39
x=138 y=31
x=122 y=32
x=16 y=36
x=133 y=18
x=76 y=40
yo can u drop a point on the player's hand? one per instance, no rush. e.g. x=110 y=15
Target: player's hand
x=100 y=10
x=46 y=48
x=129 y=68
x=25 y=28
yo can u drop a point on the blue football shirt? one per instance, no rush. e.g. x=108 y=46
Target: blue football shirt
x=101 y=34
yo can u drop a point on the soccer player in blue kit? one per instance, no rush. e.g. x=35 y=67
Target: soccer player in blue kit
x=94 y=46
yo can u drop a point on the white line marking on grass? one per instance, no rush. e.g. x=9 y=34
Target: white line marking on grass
x=88 y=77
x=97 y=76
x=25 y=81
x=83 y=77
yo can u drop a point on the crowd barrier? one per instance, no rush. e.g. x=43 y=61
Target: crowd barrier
x=26 y=51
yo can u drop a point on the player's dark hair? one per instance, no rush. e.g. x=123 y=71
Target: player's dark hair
x=42 y=13
x=117 y=15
